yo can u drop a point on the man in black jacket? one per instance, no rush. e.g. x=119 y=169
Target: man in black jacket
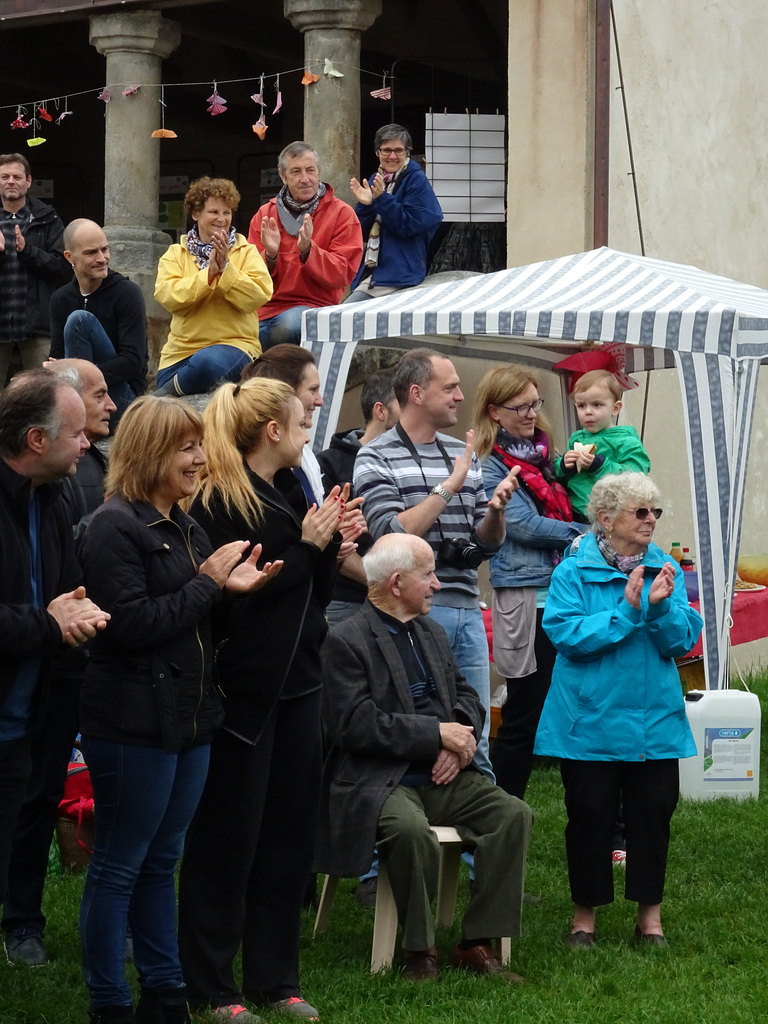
x=402 y=727
x=100 y=316
x=23 y=919
x=32 y=265
x=380 y=412
x=41 y=605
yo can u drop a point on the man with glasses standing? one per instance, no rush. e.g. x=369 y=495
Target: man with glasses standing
x=399 y=214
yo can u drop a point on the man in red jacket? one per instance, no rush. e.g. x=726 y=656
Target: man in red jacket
x=311 y=242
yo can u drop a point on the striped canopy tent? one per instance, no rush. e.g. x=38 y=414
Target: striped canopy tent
x=714 y=330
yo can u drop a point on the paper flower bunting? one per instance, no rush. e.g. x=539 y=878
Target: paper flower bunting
x=309 y=78
x=260 y=128
x=279 y=102
x=19 y=123
x=65 y=112
x=217 y=103
x=382 y=94
x=163 y=133
x=131 y=90
x=330 y=70
x=38 y=140
x=44 y=115
x=258 y=97
x=105 y=95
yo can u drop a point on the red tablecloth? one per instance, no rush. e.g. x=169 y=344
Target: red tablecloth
x=750 y=618
x=749 y=613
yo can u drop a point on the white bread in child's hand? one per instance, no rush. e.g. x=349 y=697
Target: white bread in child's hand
x=588 y=449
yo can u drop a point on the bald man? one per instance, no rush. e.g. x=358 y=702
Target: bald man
x=100 y=316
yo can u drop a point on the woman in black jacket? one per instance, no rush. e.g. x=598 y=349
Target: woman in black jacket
x=149 y=705
x=250 y=846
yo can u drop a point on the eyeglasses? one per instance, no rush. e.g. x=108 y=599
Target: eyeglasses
x=642 y=513
x=524 y=410
x=393 y=152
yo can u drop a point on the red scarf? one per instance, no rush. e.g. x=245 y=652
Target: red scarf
x=539 y=479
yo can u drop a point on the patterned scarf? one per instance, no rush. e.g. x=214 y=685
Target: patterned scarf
x=292 y=212
x=201 y=251
x=536 y=471
x=374 y=241
x=624 y=563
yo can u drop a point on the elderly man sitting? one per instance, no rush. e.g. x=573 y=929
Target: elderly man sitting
x=311 y=241
x=402 y=728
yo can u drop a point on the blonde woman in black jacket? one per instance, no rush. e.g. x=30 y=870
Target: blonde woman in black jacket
x=250 y=846
x=149 y=704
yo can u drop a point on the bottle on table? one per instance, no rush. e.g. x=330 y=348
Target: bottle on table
x=676 y=551
x=687 y=564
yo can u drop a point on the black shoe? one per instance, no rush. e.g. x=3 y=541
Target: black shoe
x=25 y=948
x=648 y=939
x=580 y=940
x=365 y=893
x=113 y=1015
x=163 y=1006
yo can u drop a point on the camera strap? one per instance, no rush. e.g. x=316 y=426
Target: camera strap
x=408 y=443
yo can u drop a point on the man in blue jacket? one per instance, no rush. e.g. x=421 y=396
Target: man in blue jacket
x=399 y=214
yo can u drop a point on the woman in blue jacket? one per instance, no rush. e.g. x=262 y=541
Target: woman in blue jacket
x=618 y=615
x=399 y=214
x=538 y=528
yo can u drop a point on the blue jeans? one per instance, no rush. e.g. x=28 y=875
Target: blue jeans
x=466 y=635
x=144 y=799
x=285 y=328
x=85 y=338
x=205 y=369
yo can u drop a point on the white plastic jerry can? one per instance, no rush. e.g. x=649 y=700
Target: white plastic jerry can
x=726 y=728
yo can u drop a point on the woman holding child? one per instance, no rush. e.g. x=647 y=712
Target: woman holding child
x=509 y=431
x=618 y=615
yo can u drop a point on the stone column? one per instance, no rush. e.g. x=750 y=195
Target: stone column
x=332 y=29
x=134 y=44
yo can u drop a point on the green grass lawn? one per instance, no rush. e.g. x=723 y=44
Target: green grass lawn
x=715 y=914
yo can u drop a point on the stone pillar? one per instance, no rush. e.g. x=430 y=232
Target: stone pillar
x=134 y=44
x=332 y=29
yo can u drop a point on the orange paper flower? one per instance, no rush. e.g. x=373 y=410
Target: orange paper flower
x=309 y=78
x=164 y=133
x=260 y=128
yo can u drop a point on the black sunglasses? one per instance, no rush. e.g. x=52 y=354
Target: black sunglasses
x=642 y=513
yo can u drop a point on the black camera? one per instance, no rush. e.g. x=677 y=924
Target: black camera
x=459 y=554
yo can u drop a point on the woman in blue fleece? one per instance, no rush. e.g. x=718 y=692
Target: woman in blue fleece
x=618 y=615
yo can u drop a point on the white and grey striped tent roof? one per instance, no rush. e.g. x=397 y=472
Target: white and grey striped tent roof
x=713 y=329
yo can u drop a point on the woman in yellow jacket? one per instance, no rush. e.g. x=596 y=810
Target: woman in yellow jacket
x=213 y=282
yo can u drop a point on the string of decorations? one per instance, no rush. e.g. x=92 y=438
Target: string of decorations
x=33 y=113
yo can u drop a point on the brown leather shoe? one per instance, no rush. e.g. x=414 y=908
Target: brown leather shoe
x=421 y=965
x=483 y=960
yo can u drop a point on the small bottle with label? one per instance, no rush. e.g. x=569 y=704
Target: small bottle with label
x=676 y=552
x=687 y=564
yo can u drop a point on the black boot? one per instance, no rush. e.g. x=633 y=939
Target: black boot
x=162 y=1006
x=113 y=1015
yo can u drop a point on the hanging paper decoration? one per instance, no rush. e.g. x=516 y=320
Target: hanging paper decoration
x=258 y=97
x=218 y=105
x=384 y=93
x=279 y=96
x=163 y=132
x=260 y=127
x=36 y=140
x=330 y=70
x=20 y=122
x=44 y=115
x=309 y=78
x=65 y=112
x=105 y=95
x=131 y=90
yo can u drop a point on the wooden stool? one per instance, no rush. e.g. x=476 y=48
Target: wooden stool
x=385 y=920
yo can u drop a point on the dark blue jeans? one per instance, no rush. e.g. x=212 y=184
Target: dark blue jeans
x=205 y=369
x=85 y=338
x=144 y=799
x=282 y=329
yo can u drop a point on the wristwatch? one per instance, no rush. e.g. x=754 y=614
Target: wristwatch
x=441 y=491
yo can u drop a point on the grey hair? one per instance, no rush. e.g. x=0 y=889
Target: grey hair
x=69 y=375
x=612 y=492
x=294 y=149
x=30 y=400
x=398 y=553
x=416 y=367
x=390 y=132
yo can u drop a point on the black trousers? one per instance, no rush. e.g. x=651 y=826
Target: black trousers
x=512 y=749
x=15 y=768
x=593 y=789
x=32 y=836
x=248 y=857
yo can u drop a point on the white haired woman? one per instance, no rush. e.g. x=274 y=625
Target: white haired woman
x=618 y=615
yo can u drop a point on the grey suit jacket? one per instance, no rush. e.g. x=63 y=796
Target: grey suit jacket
x=373 y=730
